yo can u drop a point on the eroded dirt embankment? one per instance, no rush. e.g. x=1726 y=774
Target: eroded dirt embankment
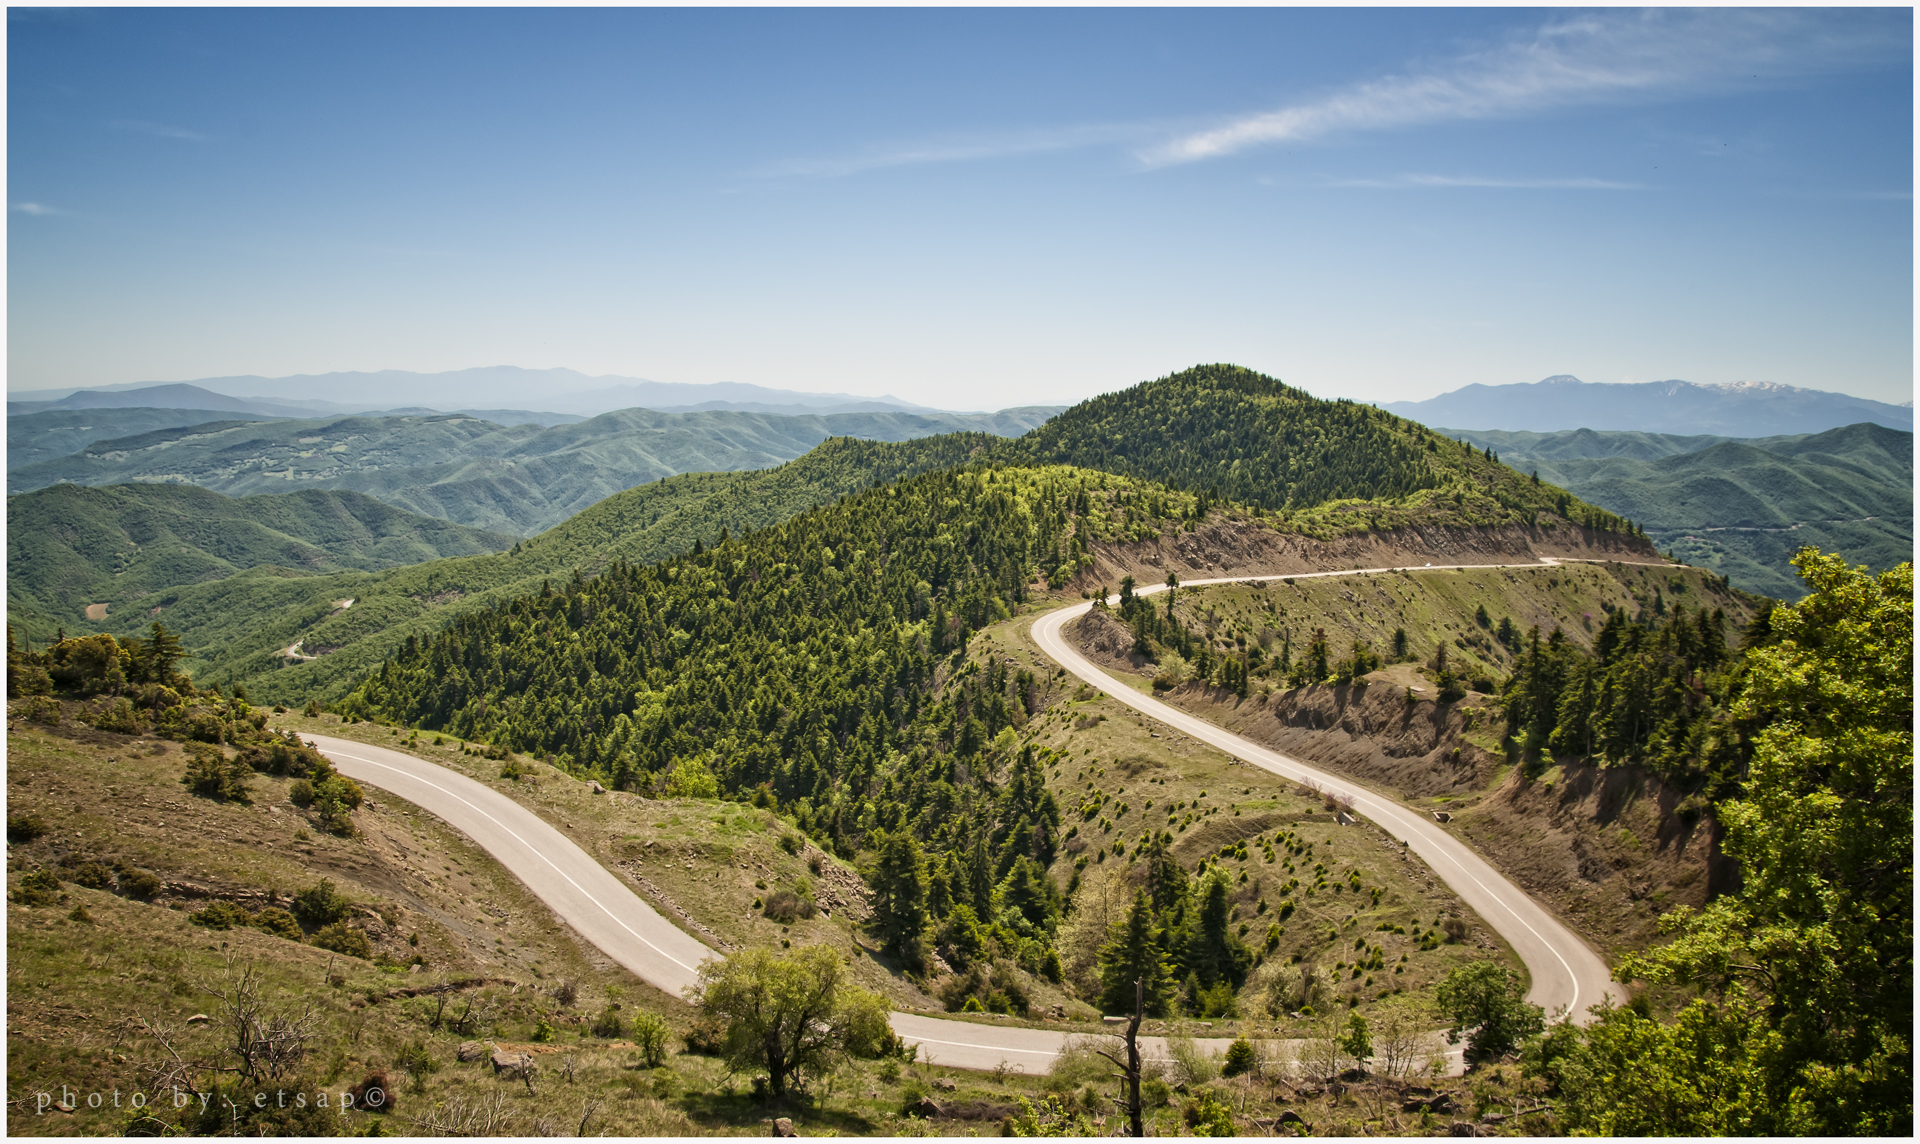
x=1239 y=547
x=1609 y=849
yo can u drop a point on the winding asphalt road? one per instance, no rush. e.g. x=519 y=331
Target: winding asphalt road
x=606 y=912
x=1566 y=972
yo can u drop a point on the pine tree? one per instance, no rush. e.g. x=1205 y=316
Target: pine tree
x=1133 y=953
x=899 y=883
x=1213 y=952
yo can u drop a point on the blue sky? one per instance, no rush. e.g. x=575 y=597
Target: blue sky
x=968 y=209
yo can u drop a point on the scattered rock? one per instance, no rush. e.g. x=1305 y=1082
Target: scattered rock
x=945 y=1084
x=504 y=1061
x=782 y=1126
x=1462 y=1128
x=62 y=1106
x=595 y=787
x=198 y=1019
x=1442 y=1103
x=1290 y=1117
x=470 y=1051
x=925 y=1107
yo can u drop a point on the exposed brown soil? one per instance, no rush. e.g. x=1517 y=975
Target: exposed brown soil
x=1244 y=547
x=1605 y=847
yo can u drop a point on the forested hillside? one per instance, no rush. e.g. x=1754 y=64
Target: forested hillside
x=521 y=479
x=1740 y=507
x=237 y=628
x=36 y=437
x=1245 y=437
x=70 y=548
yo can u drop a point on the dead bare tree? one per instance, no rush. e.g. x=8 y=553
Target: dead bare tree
x=169 y=1070
x=1130 y=1071
x=267 y=1043
x=1400 y=1037
x=588 y=1107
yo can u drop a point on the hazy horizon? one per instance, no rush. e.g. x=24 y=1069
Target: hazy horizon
x=965 y=208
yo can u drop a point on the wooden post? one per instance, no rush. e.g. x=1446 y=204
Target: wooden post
x=1133 y=1059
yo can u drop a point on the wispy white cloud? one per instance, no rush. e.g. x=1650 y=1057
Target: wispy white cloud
x=36 y=209
x=953 y=149
x=1582 y=60
x=1414 y=182
x=162 y=130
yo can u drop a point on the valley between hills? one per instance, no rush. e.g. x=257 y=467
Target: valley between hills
x=804 y=715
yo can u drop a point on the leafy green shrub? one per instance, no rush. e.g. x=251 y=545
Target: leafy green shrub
x=1486 y=1004
x=1054 y=1116
x=119 y=715
x=42 y=709
x=287 y=755
x=786 y=906
x=136 y=883
x=1547 y=1057
x=335 y=798
x=220 y=915
x=321 y=905
x=344 y=939
x=1078 y=1062
x=608 y=1024
x=1155 y=1093
x=1240 y=1058
x=418 y=1062
x=651 y=1033
x=707 y=1036
x=277 y=922
x=790 y=842
x=300 y=793
x=83 y=871
x=210 y=774
x=1207 y=1115
x=543 y=1030
x=25 y=827
x=38 y=887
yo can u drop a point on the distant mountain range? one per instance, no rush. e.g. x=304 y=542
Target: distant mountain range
x=562 y=390
x=70 y=548
x=1739 y=506
x=518 y=479
x=1738 y=409
x=193 y=399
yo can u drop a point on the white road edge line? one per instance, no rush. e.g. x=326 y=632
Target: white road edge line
x=1046 y=630
x=1114 y=689
x=530 y=846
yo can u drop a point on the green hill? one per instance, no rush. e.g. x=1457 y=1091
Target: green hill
x=1254 y=440
x=1741 y=507
x=237 y=627
x=521 y=479
x=36 y=437
x=69 y=547
x=240 y=627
